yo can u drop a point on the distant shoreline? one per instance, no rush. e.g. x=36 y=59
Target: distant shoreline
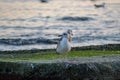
x=91 y=47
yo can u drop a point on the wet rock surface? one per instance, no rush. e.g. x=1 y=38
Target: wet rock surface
x=84 y=68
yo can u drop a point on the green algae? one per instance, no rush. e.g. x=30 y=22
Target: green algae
x=53 y=55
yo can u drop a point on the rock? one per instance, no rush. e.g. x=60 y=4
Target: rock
x=88 y=68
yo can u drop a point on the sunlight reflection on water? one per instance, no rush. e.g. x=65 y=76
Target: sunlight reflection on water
x=32 y=19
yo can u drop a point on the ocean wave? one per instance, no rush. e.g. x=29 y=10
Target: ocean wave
x=42 y=40
x=76 y=18
x=3 y=27
x=88 y=38
x=27 y=41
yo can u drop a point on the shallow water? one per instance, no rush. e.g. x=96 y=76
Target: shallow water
x=30 y=24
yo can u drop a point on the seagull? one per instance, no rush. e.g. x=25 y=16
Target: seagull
x=44 y=1
x=99 y=5
x=64 y=46
x=70 y=34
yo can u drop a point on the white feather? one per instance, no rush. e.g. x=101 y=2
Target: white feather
x=64 y=46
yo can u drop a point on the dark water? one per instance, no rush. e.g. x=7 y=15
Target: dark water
x=30 y=24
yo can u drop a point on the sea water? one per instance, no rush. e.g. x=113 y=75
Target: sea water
x=31 y=24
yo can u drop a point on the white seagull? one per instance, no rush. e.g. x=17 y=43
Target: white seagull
x=64 y=46
x=70 y=34
x=99 y=5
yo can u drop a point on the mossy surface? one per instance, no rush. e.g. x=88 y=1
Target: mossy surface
x=53 y=55
x=85 y=68
x=81 y=63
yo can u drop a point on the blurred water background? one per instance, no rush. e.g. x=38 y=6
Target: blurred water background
x=32 y=24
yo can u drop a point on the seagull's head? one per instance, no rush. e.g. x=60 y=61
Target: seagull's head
x=69 y=31
x=65 y=35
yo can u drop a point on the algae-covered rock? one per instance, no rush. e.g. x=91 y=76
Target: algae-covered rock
x=88 y=68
